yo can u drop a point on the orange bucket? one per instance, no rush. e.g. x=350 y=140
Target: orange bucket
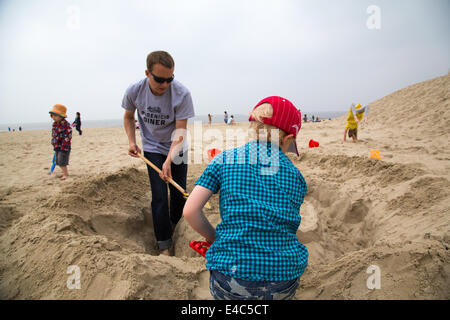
x=212 y=153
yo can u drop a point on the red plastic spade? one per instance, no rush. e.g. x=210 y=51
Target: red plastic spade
x=200 y=246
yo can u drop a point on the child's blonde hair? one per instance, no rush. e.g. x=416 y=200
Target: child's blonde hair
x=265 y=110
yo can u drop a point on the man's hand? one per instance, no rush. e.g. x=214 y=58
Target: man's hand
x=133 y=150
x=166 y=171
x=175 y=147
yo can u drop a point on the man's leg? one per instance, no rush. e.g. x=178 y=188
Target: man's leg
x=160 y=204
x=177 y=200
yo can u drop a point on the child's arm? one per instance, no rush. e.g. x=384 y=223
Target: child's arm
x=364 y=109
x=366 y=115
x=193 y=212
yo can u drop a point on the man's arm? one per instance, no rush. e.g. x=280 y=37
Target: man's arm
x=128 y=124
x=177 y=143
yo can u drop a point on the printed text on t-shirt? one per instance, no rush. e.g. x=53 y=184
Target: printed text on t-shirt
x=154 y=118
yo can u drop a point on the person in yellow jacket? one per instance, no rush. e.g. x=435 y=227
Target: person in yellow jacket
x=352 y=121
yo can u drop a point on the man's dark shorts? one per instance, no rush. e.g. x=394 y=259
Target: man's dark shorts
x=62 y=158
x=352 y=132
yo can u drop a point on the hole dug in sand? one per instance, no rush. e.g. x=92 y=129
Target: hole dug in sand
x=122 y=214
x=115 y=207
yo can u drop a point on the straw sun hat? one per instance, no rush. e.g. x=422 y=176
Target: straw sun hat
x=59 y=110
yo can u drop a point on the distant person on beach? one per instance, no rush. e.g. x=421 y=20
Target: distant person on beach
x=209 y=119
x=163 y=107
x=77 y=123
x=352 y=122
x=20 y=128
x=305 y=118
x=225 y=117
x=9 y=128
x=61 y=138
x=255 y=253
x=231 y=120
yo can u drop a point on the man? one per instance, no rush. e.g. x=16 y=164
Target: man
x=163 y=107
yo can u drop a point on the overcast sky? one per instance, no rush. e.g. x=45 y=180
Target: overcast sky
x=321 y=55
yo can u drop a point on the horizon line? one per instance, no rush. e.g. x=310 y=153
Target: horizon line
x=200 y=115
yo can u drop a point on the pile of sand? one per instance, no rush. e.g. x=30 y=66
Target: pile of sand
x=392 y=213
x=419 y=110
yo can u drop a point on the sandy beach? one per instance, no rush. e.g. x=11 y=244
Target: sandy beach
x=391 y=212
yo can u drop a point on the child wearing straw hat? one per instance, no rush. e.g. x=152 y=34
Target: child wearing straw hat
x=61 y=138
x=255 y=253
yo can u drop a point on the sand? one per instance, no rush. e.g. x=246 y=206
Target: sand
x=391 y=212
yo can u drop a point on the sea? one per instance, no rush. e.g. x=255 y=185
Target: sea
x=216 y=118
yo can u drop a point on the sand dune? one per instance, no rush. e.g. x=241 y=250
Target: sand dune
x=392 y=212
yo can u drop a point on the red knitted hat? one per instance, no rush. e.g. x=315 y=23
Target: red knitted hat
x=285 y=117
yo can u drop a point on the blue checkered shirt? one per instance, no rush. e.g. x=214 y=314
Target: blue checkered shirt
x=261 y=192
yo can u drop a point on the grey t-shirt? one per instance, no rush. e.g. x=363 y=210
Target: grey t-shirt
x=157 y=114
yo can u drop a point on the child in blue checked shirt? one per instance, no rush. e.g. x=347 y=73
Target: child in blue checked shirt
x=255 y=253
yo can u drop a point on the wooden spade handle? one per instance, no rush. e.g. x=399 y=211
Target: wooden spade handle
x=176 y=185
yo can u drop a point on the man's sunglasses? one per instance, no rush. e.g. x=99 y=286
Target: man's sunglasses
x=162 y=80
